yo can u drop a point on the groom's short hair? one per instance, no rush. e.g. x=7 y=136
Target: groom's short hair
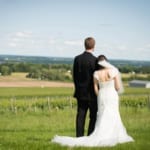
x=89 y=43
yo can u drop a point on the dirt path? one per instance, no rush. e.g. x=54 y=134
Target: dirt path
x=34 y=84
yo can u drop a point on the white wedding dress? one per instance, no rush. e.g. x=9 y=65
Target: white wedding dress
x=109 y=129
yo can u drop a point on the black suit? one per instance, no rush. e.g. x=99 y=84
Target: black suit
x=83 y=69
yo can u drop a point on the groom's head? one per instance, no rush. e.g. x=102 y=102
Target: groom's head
x=89 y=43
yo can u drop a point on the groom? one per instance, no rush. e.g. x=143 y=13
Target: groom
x=83 y=68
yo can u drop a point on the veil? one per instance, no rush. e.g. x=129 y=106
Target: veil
x=106 y=64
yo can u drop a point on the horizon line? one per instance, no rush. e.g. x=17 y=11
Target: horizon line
x=121 y=59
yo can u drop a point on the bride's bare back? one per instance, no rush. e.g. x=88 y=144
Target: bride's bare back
x=105 y=75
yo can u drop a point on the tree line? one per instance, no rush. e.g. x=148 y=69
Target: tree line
x=62 y=72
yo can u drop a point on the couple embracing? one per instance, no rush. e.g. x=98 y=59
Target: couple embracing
x=97 y=83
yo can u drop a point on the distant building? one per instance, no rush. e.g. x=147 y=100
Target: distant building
x=139 y=83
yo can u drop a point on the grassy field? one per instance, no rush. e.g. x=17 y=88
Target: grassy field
x=31 y=117
x=17 y=76
x=34 y=130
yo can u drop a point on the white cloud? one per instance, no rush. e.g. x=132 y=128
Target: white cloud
x=122 y=47
x=20 y=39
x=27 y=43
x=24 y=34
x=12 y=44
x=148 y=46
x=51 y=41
x=73 y=43
x=114 y=50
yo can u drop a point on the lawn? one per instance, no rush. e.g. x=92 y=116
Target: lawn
x=31 y=117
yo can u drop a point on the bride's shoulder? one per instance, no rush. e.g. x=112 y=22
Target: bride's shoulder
x=113 y=72
x=95 y=74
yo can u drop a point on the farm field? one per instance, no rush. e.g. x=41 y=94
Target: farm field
x=20 y=80
x=31 y=116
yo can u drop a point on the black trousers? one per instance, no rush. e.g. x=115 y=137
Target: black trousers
x=82 y=108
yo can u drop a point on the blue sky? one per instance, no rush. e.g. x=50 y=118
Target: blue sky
x=59 y=27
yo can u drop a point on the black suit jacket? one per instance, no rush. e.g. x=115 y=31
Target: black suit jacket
x=83 y=69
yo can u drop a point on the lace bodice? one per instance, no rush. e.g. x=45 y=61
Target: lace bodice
x=106 y=84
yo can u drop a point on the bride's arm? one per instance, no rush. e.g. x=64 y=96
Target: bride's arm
x=117 y=83
x=96 y=86
x=115 y=74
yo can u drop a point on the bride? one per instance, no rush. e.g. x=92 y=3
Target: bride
x=109 y=129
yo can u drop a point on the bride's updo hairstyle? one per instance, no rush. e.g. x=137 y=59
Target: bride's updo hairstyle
x=101 y=58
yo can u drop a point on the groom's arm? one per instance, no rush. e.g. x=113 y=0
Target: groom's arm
x=75 y=70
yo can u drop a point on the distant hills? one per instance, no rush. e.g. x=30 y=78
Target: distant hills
x=35 y=59
x=62 y=60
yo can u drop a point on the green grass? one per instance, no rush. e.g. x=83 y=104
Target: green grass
x=34 y=130
x=9 y=92
x=30 y=117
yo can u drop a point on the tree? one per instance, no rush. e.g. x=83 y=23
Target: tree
x=5 y=70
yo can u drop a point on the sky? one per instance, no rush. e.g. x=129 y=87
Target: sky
x=58 y=28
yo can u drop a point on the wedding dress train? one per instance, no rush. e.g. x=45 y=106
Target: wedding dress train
x=109 y=129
